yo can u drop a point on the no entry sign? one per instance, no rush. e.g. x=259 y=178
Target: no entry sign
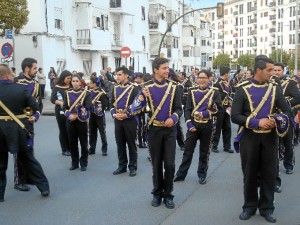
x=125 y=52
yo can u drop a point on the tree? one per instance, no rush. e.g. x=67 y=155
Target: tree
x=221 y=60
x=285 y=56
x=291 y=63
x=13 y=14
x=246 y=60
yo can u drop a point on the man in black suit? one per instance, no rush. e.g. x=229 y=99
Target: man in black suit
x=13 y=138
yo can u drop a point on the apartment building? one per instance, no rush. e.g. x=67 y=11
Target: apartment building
x=87 y=35
x=254 y=27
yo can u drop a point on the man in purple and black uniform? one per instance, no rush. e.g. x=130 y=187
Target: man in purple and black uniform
x=164 y=100
x=125 y=124
x=253 y=105
x=29 y=68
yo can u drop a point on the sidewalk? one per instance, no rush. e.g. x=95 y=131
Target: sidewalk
x=48 y=109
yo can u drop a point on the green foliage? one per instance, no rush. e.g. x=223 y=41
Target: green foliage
x=221 y=60
x=291 y=63
x=276 y=57
x=246 y=60
x=13 y=14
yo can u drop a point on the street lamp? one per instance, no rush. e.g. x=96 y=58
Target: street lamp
x=220 y=13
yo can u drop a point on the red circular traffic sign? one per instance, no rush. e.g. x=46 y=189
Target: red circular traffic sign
x=125 y=52
x=7 y=50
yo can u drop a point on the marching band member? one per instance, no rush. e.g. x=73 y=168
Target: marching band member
x=223 y=120
x=125 y=124
x=97 y=118
x=202 y=103
x=77 y=103
x=63 y=84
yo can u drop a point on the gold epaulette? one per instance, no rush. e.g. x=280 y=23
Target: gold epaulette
x=192 y=88
x=273 y=82
x=243 y=83
x=214 y=88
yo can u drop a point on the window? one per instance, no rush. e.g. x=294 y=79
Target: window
x=203 y=59
x=186 y=53
x=61 y=65
x=58 y=18
x=143 y=13
x=144 y=43
x=241 y=21
x=203 y=42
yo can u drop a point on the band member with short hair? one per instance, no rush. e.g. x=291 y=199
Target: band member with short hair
x=125 y=124
x=253 y=108
x=97 y=118
x=77 y=103
x=223 y=123
x=203 y=103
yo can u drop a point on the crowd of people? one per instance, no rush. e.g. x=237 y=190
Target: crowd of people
x=146 y=110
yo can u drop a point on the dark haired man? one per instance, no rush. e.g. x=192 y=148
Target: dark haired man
x=125 y=125
x=27 y=77
x=223 y=119
x=203 y=102
x=13 y=138
x=164 y=99
x=253 y=105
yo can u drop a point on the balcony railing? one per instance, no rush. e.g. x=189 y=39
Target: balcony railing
x=115 y=3
x=83 y=37
x=272 y=4
x=254 y=20
x=272 y=17
x=272 y=30
x=235 y=13
x=253 y=32
x=117 y=40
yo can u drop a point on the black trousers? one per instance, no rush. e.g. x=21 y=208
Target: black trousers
x=141 y=129
x=162 y=146
x=287 y=140
x=97 y=123
x=30 y=169
x=259 y=159
x=78 y=130
x=125 y=133
x=63 y=133
x=223 y=124
x=3 y=168
x=180 y=135
x=203 y=134
x=42 y=90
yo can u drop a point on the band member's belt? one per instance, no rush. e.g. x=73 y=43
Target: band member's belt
x=6 y=118
x=201 y=120
x=158 y=123
x=122 y=111
x=262 y=131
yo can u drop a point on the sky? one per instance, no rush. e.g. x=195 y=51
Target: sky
x=203 y=3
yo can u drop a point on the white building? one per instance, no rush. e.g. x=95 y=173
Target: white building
x=87 y=35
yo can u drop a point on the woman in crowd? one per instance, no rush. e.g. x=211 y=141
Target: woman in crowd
x=97 y=118
x=52 y=76
x=57 y=94
x=77 y=103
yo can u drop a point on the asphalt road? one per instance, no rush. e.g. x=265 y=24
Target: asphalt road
x=97 y=197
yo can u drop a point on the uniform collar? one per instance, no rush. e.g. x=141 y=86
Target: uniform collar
x=256 y=82
x=159 y=82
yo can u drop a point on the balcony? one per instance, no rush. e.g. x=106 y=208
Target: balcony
x=117 y=42
x=235 y=13
x=235 y=56
x=272 y=43
x=272 y=30
x=253 y=32
x=272 y=4
x=253 y=20
x=272 y=17
x=235 y=35
x=220 y=47
x=119 y=7
x=235 y=46
x=220 y=36
x=83 y=39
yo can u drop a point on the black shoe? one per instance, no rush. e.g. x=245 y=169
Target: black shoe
x=215 y=150
x=66 y=153
x=182 y=148
x=45 y=193
x=91 y=152
x=277 y=189
x=156 y=201
x=202 y=180
x=22 y=187
x=246 y=214
x=83 y=168
x=74 y=167
x=228 y=150
x=269 y=217
x=132 y=173
x=169 y=203
x=142 y=145
x=289 y=171
x=104 y=153
x=119 y=171
x=178 y=178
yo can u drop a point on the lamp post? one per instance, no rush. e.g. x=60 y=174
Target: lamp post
x=220 y=13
